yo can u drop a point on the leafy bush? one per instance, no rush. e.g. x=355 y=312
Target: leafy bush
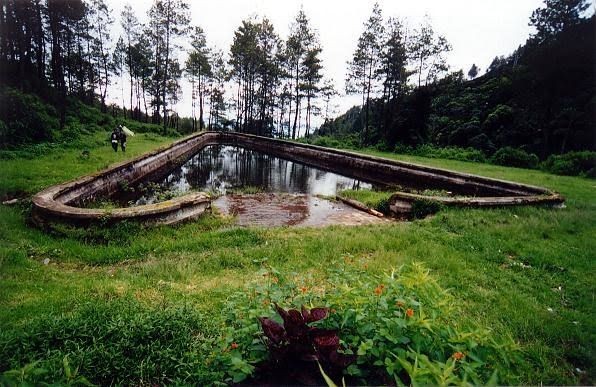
x=297 y=342
x=88 y=118
x=421 y=208
x=450 y=153
x=142 y=127
x=327 y=142
x=572 y=163
x=483 y=142
x=25 y=118
x=344 y=142
x=382 y=205
x=28 y=151
x=403 y=149
x=513 y=157
x=399 y=328
x=499 y=119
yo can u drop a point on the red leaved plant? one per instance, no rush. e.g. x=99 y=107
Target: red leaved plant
x=296 y=340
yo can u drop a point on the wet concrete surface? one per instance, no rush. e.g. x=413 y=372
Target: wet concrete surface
x=283 y=209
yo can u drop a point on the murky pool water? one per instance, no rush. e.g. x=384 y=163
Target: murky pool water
x=221 y=169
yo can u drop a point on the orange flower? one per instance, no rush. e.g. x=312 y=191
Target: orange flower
x=303 y=289
x=234 y=346
x=379 y=289
x=399 y=304
x=409 y=312
x=458 y=355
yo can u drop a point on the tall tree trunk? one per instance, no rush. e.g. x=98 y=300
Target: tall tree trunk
x=145 y=101
x=308 y=115
x=56 y=63
x=201 y=121
x=130 y=72
x=420 y=71
x=297 y=88
x=166 y=65
x=368 y=86
x=192 y=103
x=238 y=105
x=40 y=49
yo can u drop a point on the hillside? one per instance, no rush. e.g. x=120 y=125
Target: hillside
x=540 y=99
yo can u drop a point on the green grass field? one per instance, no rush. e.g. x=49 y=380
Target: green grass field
x=153 y=297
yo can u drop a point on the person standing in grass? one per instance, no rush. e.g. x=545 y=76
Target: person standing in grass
x=122 y=139
x=114 y=137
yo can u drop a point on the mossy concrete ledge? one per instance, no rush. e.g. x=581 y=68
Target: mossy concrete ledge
x=62 y=202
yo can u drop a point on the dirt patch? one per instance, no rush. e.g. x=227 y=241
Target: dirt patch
x=279 y=209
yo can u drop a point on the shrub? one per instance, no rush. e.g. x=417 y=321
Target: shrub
x=383 y=205
x=383 y=146
x=25 y=119
x=421 y=208
x=514 y=157
x=482 y=142
x=572 y=163
x=450 y=153
x=142 y=127
x=403 y=149
x=397 y=328
x=499 y=119
x=88 y=117
x=327 y=142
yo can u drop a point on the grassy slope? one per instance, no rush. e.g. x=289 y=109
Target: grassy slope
x=548 y=307
x=57 y=164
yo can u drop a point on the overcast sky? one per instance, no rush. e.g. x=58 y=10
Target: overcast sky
x=478 y=30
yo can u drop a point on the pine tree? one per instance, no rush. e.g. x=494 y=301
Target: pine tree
x=363 y=69
x=168 y=21
x=473 y=72
x=427 y=53
x=62 y=18
x=298 y=44
x=555 y=16
x=198 y=70
x=312 y=77
x=130 y=26
x=394 y=59
x=101 y=21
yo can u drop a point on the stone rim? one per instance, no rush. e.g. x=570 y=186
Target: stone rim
x=55 y=202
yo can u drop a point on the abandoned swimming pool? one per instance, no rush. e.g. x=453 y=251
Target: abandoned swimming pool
x=62 y=202
x=226 y=169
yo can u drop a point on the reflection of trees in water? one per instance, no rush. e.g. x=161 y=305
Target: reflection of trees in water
x=219 y=167
x=299 y=177
x=201 y=169
x=173 y=179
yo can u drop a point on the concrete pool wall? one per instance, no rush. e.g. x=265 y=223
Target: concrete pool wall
x=62 y=202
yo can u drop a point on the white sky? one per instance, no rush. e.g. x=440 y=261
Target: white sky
x=478 y=30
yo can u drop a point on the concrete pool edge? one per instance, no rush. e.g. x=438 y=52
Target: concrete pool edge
x=56 y=203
